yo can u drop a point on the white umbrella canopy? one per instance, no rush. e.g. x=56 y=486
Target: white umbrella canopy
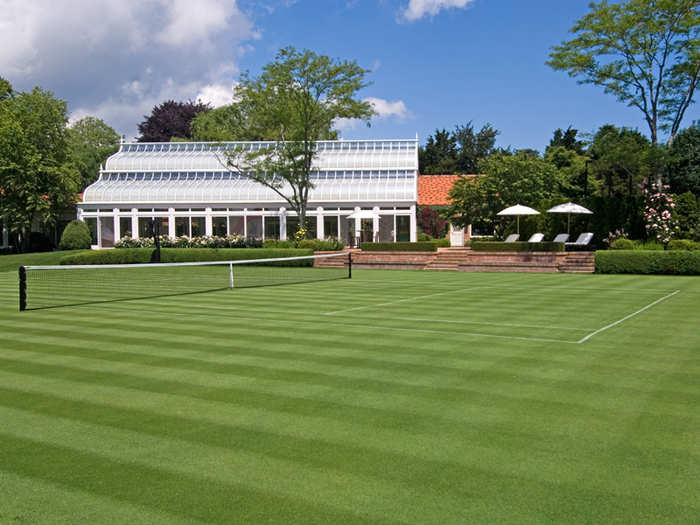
x=569 y=208
x=518 y=210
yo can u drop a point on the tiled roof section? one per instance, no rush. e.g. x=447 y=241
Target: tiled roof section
x=433 y=189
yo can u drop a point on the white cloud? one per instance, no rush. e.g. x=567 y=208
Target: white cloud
x=116 y=60
x=417 y=9
x=216 y=94
x=385 y=109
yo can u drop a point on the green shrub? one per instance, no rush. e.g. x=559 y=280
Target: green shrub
x=622 y=244
x=425 y=246
x=276 y=243
x=683 y=244
x=498 y=246
x=76 y=236
x=649 y=246
x=145 y=255
x=648 y=262
x=318 y=245
x=441 y=243
x=423 y=237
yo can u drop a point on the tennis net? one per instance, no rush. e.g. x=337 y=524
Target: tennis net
x=72 y=285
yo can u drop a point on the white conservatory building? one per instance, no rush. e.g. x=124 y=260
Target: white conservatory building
x=363 y=190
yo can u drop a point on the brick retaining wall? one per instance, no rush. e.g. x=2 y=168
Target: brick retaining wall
x=466 y=260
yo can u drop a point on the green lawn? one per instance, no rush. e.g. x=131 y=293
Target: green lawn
x=394 y=397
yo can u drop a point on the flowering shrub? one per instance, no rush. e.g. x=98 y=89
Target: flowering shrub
x=211 y=241
x=613 y=236
x=300 y=235
x=659 y=218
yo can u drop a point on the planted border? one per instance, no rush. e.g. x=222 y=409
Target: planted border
x=167 y=255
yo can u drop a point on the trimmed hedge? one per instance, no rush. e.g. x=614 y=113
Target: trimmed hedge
x=498 y=246
x=146 y=255
x=648 y=262
x=684 y=244
x=422 y=246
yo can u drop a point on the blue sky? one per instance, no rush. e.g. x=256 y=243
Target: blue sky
x=436 y=63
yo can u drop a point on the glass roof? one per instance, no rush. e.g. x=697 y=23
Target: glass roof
x=203 y=156
x=353 y=186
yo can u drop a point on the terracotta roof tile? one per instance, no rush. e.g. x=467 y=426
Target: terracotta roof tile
x=433 y=189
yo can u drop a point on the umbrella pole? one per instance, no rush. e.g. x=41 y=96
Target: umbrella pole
x=518 y=222
x=568 y=223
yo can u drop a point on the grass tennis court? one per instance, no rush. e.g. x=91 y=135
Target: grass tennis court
x=394 y=397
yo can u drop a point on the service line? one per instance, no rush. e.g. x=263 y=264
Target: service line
x=619 y=321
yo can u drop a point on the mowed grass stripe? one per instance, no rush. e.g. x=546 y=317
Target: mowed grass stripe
x=333 y=350
x=364 y=373
x=474 y=417
x=27 y=497
x=240 y=390
x=112 y=443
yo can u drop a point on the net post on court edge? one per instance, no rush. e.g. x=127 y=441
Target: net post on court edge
x=349 y=265
x=22 y=288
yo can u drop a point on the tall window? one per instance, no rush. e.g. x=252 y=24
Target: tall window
x=125 y=226
x=182 y=226
x=236 y=225
x=330 y=226
x=218 y=226
x=197 y=226
x=272 y=227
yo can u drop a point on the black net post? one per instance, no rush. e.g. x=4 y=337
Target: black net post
x=349 y=265
x=22 y=288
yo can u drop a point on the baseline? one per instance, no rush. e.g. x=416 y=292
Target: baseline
x=620 y=321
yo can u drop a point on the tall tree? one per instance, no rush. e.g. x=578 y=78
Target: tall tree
x=439 y=155
x=459 y=151
x=509 y=178
x=37 y=178
x=90 y=142
x=473 y=147
x=170 y=120
x=683 y=163
x=567 y=139
x=294 y=103
x=5 y=89
x=621 y=159
x=644 y=52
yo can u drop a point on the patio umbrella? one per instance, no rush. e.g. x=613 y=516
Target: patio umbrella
x=569 y=208
x=518 y=210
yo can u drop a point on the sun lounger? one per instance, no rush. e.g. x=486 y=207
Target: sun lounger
x=583 y=240
x=562 y=237
x=536 y=237
x=513 y=237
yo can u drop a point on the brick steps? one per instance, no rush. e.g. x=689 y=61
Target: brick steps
x=449 y=259
x=578 y=262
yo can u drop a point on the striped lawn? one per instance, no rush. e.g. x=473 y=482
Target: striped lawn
x=394 y=397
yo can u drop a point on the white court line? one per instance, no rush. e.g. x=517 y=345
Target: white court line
x=583 y=340
x=396 y=328
x=510 y=325
x=401 y=300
